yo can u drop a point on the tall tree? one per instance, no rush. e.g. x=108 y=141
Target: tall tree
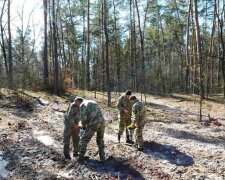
x=142 y=49
x=55 y=51
x=2 y=42
x=88 y=47
x=10 y=58
x=199 y=56
x=107 y=52
x=187 y=49
x=45 y=55
x=83 y=52
x=221 y=48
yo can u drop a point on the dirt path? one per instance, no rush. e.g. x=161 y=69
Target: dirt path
x=177 y=146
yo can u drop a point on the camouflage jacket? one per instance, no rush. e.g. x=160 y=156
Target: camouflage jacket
x=90 y=113
x=72 y=115
x=124 y=103
x=138 y=112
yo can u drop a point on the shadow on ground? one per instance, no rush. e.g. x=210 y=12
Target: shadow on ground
x=175 y=110
x=188 y=135
x=115 y=167
x=22 y=159
x=167 y=152
x=165 y=121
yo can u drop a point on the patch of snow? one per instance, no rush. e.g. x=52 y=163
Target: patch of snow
x=36 y=132
x=109 y=137
x=39 y=107
x=215 y=176
x=46 y=140
x=3 y=163
x=59 y=113
x=66 y=174
x=44 y=101
x=107 y=116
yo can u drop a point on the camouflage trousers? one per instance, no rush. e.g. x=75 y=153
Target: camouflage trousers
x=88 y=134
x=138 y=135
x=67 y=134
x=123 y=123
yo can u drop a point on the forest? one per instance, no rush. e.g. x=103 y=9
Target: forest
x=155 y=47
x=169 y=53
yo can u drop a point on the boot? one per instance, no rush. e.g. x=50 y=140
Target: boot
x=75 y=154
x=118 y=138
x=140 y=148
x=66 y=154
x=80 y=159
x=128 y=141
x=102 y=154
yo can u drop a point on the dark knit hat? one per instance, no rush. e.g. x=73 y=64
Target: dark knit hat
x=128 y=92
x=133 y=98
x=80 y=99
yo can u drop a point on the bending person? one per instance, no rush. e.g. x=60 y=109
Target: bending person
x=92 y=121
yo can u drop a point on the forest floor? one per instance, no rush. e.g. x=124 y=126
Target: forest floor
x=177 y=145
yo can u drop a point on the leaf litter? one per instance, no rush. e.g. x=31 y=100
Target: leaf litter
x=177 y=146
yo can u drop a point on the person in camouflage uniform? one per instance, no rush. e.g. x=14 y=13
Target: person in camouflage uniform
x=138 y=118
x=71 y=130
x=92 y=121
x=124 y=106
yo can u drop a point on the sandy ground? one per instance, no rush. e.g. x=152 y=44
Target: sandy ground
x=177 y=146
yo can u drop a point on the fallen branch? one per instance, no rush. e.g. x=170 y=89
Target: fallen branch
x=8 y=105
x=58 y=110
x=29 y=96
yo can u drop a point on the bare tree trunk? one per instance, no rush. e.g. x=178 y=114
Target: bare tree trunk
x=10 y=58
x=130 y=62
x=142 y=50
x=165 y=69
x=3 y=47
x=50 y=46
x=88 y=48
x=45 y=58
x=199 y=56
x=82 y=56
x=2 y=43
x=211 y=50
x=22 y=57
x=222 y=43
x=193 y=72
x=107 y=52
x=103 y=49
x=117 y=48
x=206 y=64
x=135 y=47
x=223 y=48
x=56 y=66
x=187 y=79
x=63 y=45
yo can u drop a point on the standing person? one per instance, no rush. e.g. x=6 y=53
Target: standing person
x=124 y=106
x=92 y=121
x=71 y=130
x=138 y=119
